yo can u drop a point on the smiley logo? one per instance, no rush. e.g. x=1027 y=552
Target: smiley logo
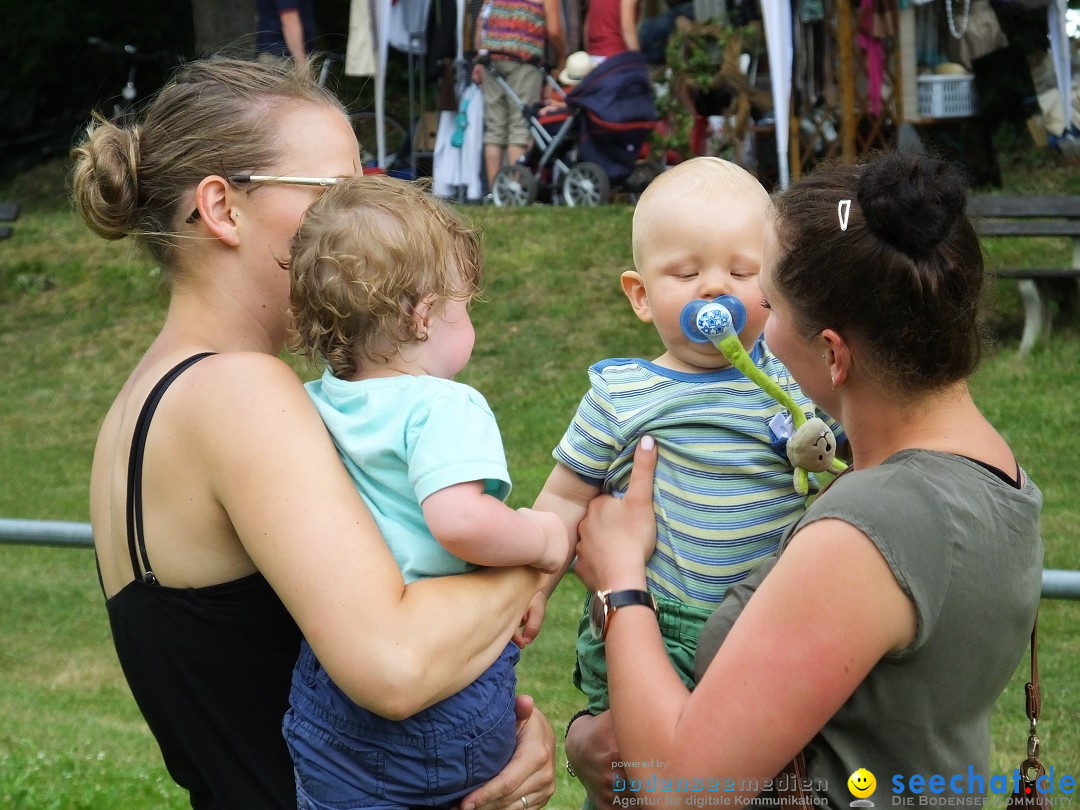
x=861 y=783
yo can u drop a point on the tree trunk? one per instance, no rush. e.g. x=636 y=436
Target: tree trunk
x=224 y=25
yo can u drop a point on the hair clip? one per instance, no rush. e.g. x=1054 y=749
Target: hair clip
x=844 y=211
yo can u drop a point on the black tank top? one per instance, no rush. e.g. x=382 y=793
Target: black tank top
x=209 y=667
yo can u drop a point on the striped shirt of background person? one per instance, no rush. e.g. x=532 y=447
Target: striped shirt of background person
x=517 y=28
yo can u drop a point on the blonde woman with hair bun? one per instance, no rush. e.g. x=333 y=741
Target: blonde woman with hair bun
x=224 y=523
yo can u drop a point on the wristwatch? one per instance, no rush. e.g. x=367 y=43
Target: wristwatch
x=603 y=605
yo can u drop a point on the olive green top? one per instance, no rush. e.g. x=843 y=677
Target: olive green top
x=964 y=545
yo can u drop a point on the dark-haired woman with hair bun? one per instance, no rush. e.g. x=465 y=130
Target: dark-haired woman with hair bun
x=902 y=600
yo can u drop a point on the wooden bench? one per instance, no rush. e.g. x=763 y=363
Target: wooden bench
x=9 y=212
x=1032 y=215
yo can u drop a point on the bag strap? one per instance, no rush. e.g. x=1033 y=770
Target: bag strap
x=1033 y=707
x=1031 y=690
x=791 y=783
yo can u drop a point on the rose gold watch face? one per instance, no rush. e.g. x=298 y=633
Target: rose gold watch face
x=597 y=612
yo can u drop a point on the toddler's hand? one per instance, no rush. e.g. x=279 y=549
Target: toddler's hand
x=531 y=621
x=556 y=546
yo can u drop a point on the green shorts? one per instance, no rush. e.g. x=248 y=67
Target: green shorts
x=680 y=625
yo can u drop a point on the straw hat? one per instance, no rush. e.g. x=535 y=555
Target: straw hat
x=951 y=69
x=578 y=65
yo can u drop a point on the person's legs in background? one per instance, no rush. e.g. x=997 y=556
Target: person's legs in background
x=506 y=131
x=514 y=152
x=493 y=161
x=527 y=83
x=496 y=122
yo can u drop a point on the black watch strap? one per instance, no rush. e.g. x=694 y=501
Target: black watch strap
x=618 y=599
x=605 y=603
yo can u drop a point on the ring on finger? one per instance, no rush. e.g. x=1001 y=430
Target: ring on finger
x=524 y=803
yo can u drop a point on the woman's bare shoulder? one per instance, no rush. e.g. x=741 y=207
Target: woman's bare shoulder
x=248 y=367
x=250 y=379
x=235 y=400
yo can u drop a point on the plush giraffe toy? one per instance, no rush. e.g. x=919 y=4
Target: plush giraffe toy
x=812 y=446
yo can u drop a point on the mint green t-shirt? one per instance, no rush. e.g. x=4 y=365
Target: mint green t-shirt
x=404 y=438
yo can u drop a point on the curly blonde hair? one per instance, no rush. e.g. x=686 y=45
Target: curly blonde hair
x=368 y=251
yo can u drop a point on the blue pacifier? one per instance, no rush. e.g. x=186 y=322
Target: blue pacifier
x=709 y=321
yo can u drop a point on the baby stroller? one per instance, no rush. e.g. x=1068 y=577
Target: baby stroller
x=587 y=146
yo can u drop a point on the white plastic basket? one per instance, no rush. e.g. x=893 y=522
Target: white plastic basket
x=947 y=96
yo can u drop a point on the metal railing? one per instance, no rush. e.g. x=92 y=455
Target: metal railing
x=62 y=533
x=1056 y=583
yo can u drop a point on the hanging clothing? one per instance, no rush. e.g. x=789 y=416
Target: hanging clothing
x=459 y=147
x=360 y=46
x=875 y=24
x=981 y=35
x=926 y=38
x=408 y=25
x=1059 y=48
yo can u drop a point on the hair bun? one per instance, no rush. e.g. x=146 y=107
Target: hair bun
x=105 y=179
x=911 y=201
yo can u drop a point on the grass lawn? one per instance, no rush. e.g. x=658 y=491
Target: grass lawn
x=76 y=313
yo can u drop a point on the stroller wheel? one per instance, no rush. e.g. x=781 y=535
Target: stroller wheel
x=514 y=185
x=586 y=184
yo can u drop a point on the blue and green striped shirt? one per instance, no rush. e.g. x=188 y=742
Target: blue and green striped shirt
x=723 y=493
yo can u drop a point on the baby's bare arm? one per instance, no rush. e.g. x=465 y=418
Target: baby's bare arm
x=568 y=496
x=483 y=530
